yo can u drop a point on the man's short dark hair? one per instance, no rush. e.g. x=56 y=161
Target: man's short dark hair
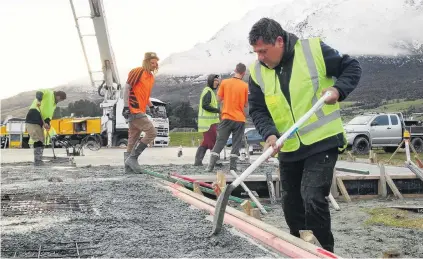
x=268 y=30
x=240 y=68
x=61 y=94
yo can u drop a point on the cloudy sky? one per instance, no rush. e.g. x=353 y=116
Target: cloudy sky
x=39 y=46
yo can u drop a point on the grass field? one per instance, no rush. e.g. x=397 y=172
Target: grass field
x=401 y=105
x=185 y=139
x=382 y=156
x=394 y=218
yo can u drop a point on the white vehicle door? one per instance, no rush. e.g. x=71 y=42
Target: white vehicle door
x=380 y=130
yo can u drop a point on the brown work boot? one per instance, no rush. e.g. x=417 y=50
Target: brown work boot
x=132 y=160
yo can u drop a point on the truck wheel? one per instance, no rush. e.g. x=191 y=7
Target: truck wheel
x=417 y=144
x=122 y=143
x=361 y=146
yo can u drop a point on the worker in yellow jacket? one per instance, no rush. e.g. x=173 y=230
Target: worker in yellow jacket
x=48 y=135
x=39 y=115
x=286 y=80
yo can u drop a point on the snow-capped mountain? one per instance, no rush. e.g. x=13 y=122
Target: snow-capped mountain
x=356 y=27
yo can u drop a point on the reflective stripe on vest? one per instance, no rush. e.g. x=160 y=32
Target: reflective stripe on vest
x=206 y=118
x=308 y=79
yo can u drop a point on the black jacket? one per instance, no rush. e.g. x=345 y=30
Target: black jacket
x=34 y=116
x=347 y=71
x=207 y=97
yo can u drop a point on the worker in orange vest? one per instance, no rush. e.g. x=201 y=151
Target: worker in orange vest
x=136 y=98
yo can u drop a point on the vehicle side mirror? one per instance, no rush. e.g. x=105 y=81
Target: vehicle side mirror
x=374 y=123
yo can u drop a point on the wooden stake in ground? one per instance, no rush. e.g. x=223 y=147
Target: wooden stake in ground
x=391 y=183
x=246 y=205
x=270 y=187
x=216 y=189
x=398 y=148
x=256 y=201
x=334 y=188
x=371 y=157
x=196 y=188
x=308 y=236
x=350 y=157
x=343 y=189
x=383 y=191
x=255 y=212
x=221 y=180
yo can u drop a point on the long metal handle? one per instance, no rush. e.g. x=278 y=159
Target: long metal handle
x=282 y=139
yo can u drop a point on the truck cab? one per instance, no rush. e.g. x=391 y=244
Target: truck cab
x=379 y=130
x=119 y=125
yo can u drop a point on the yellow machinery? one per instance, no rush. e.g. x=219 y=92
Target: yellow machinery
x=4 y=137
x=14 y=134
x=69 y=132
x=77 y=133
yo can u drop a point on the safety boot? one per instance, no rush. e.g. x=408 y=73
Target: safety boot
x=128 y=170
x=132 y=160
x=233 y=163
x=199 y=156
x=212 y=163
x=38 y=156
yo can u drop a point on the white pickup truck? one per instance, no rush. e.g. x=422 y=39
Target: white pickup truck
x=382 y=130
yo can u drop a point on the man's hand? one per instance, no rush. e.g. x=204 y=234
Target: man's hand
x=271 y=142
x=38 y=104
x=125 y=112
x=333 y=98
x=47 y=126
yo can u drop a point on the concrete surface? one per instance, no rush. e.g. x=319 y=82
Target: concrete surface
x=158 y=156
x=122 y=216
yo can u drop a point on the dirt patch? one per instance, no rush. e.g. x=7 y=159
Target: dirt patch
x=354 y=238
x=130 y=217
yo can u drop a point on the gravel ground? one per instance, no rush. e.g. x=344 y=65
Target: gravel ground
x=197 y=170
x=355 y=239
x=127 y=220
x=121 y=215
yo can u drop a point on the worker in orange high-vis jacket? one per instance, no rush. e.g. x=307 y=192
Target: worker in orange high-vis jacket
x=233 y=92
x=136 y=99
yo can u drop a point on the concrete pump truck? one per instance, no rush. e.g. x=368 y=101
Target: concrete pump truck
x=113 y=125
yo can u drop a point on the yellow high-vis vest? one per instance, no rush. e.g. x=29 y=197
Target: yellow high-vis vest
x=206 y=118
x=308 y=79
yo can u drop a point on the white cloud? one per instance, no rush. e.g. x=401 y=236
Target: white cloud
x=40 y=46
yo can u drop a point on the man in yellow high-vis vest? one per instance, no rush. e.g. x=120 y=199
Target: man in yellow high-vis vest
x=289 y=76
x=39 y=116
x=208 y=117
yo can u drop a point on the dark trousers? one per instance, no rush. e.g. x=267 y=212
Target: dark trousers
x=305 y=186
x=226 y=127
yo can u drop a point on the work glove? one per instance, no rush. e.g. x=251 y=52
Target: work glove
x=125 y=112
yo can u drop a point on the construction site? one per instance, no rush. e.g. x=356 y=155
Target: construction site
x=82 y=203
x=88 y=207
